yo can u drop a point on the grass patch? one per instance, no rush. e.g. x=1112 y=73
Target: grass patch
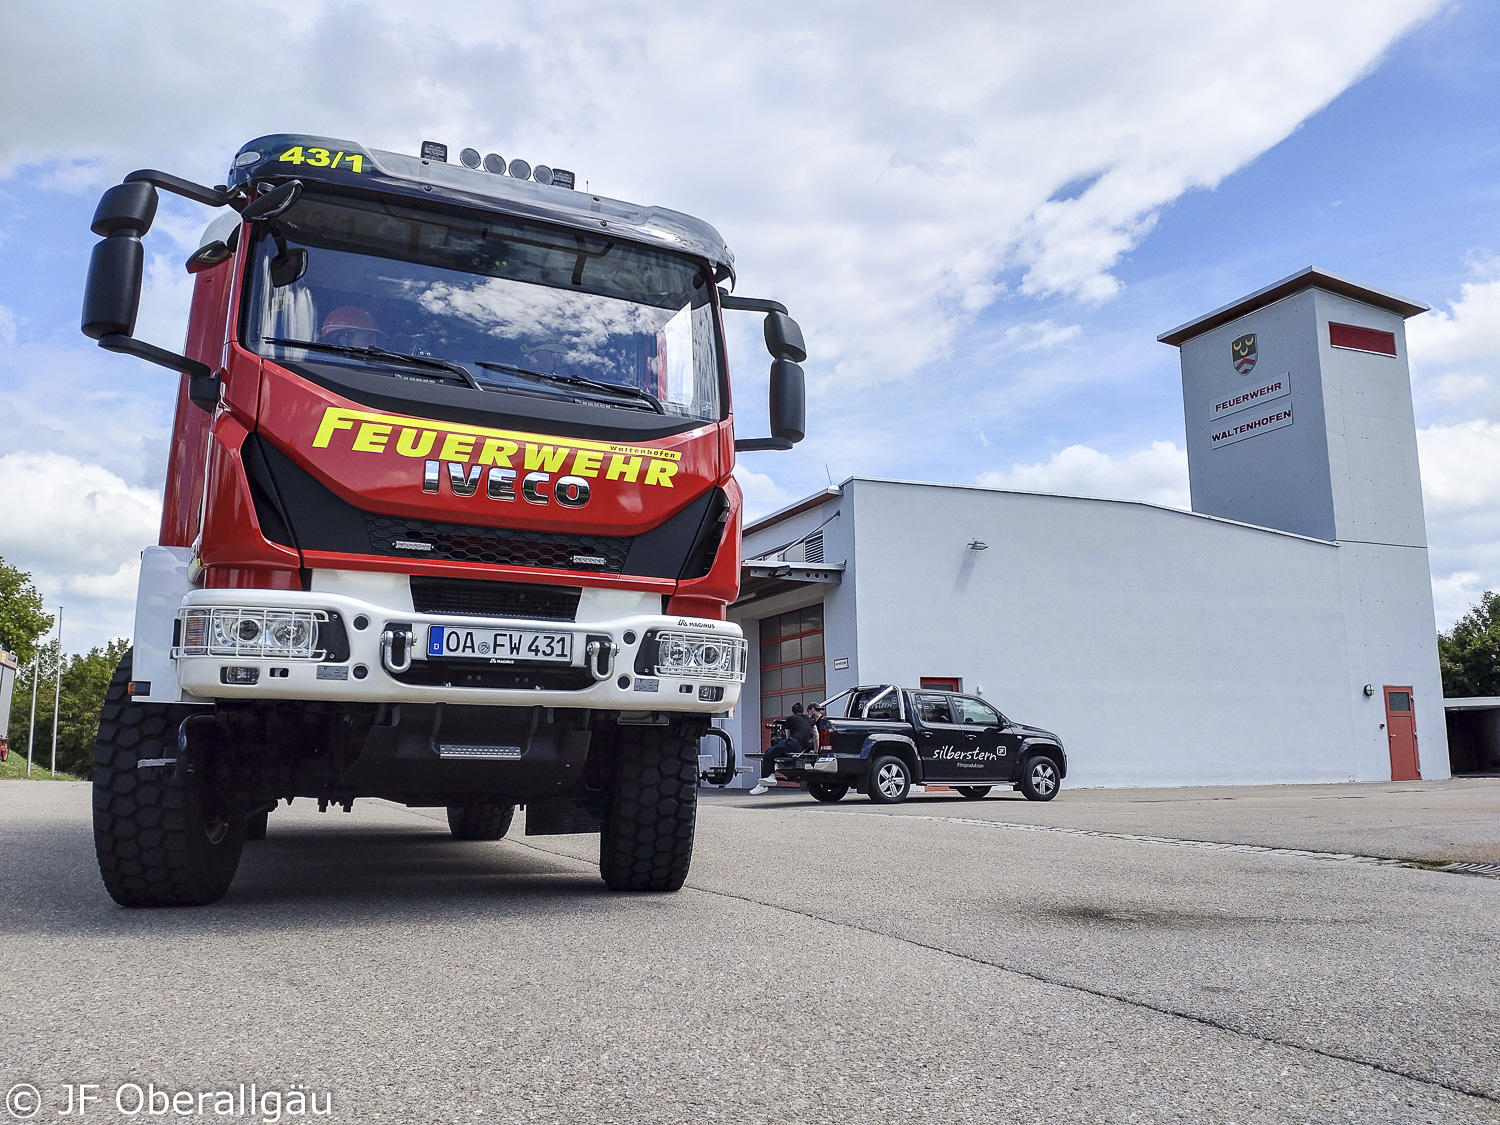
x=14 y=767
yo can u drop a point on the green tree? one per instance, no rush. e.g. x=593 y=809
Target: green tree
x=1469 y=653
x=21 y=618
x=85 y=679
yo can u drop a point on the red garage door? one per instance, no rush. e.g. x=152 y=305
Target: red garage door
x=791 y=664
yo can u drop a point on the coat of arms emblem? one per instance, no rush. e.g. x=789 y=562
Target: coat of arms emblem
x=1243 y=353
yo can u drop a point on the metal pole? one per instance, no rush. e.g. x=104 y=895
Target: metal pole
x=36 y=671
x=57 y=692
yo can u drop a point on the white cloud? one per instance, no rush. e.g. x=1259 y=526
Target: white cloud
x=884 y=171
x=1461 y=493
x=1157 y=474
x=1040 y=335
x=762 y=494
x=79 y=529
x=1455 y=354
x=878 y=168
x=7 y=327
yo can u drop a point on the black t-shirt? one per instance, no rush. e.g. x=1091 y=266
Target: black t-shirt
x=800 y=729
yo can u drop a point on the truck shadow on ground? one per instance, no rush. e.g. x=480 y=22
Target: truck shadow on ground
x=307 y=877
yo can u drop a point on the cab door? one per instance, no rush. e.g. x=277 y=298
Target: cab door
x=939 y=737
x=986 y=733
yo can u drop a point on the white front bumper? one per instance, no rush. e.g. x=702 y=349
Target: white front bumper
x=364 y=678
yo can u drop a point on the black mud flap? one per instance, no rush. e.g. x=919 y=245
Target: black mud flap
x=558 y=816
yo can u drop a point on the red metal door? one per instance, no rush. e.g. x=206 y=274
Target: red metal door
x=944 y=683
x=1401 y=732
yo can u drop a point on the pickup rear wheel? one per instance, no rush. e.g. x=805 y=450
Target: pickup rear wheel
x=828 y=791
x=646 y=842
x=973 y=792
x=1040 y=778
x=890 y=780
x=483 y=820
x=158 y=834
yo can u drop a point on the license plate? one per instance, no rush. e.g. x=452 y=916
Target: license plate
x=499 y=644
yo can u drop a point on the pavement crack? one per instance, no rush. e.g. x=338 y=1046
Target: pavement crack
x=1075 y=986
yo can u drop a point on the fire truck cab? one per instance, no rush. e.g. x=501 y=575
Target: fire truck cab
x=449 y=514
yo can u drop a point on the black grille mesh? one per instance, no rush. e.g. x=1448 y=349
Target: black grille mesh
x=496 y=545
x=476 y=598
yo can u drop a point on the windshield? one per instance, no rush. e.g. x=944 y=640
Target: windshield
x=485 y=300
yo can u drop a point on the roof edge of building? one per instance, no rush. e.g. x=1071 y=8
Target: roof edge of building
x=796 y=508
x=1310 y=278
x=817 y=498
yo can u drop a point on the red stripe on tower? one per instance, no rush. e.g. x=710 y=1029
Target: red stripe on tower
x=1362 y=339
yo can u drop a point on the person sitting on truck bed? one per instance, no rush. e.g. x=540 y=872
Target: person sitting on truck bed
x=799 y=737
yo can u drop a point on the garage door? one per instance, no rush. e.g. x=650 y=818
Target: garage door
x=791 y=664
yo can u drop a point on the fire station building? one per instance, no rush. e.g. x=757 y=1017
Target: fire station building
x=1281 y=631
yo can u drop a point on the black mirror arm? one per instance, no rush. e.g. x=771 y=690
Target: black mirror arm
x=212 y=197
x=749 y=304
x=203 y=384
x=753 y=445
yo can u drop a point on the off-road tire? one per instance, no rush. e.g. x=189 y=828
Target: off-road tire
x=890 y=780
x=828 y=791
x=151 y=832
x=973 y=792
x=482 y=821
x=1040 y=778
x=646 y=842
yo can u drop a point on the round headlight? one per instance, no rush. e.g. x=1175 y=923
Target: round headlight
x=469 y=158
x=520 y=169
x=291 y=633
x=542 y=174
x=495 y=163
x=246 y=629
x=710 y=654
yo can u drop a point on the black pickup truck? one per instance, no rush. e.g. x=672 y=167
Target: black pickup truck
x=884 y=739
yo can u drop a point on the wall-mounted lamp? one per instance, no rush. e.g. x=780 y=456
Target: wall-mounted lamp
x=978 y=545
x=1369 y=689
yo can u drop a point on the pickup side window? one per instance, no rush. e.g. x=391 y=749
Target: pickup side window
x=933 y=709
x=886 y=707
x=973 y=712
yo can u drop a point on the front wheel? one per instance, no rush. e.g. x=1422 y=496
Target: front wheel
x=890 y=781
x=483 y=820
x=159 y=835
x=646 y=841
x=1040 y=778
x=973 y=792
x=828 y=791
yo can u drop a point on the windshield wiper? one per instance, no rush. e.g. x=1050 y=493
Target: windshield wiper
x=371 y=352
x=646 y=398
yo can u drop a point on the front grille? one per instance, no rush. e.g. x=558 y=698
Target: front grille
x=427 y=539
x=470 y=597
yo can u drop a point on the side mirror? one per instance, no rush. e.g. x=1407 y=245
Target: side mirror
x=112 y=291
x=788 y=383
x=288 y=266
x=273 y=202
x=788 y=402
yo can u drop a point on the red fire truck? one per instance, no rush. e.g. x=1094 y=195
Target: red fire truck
x=449 y=513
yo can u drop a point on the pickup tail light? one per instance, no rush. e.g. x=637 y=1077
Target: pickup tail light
x=825 y=739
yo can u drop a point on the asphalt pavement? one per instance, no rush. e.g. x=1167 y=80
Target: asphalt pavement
x=1170 y=955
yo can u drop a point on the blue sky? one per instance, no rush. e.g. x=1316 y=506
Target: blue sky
x=887 y=174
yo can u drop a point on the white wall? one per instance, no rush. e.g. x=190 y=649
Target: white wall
x=1163 y=647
